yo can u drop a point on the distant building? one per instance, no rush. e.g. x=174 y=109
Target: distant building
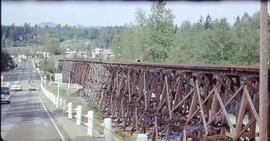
x=99 y=52
x=69 y=51
x=96 y=52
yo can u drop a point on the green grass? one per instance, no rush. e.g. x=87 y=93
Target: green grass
x=64 y=93
x=21 y=50
x=73 y=44
x=91 y=106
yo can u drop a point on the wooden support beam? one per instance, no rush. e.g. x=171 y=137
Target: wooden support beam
x=224 y=111
x=226 y=104
x=201 y=108
x=251 y=104
x=252 y=121
x=193 y=105
x=183 y=100
x=241 y=113
x=168 y=98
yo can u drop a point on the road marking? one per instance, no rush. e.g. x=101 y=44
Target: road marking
x=62 y=137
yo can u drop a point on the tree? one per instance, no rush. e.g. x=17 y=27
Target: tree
x=208 y=22
x=237 y=21
x=53 y=46
x=219 y=44
x=245 y=37
x=6 y=61
x=161 y=35
x=128 y=45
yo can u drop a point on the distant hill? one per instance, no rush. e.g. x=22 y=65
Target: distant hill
x=50 y=24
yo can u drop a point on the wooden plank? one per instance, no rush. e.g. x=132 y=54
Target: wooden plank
x=241 y=113
x=214 y=107
x=244 y=129
x=168 y=133
x=162 y=97
x=224 y=111
x=145 y=91
x=198 y=109
x=226 y=104
x=201 y=108
x=136 y=119
x=183 y=100
x=192 y=106
x=178 y=95
x=168 y=97
x=129 y=87
x=251 y=104
x=156 y=127
x=184 y=135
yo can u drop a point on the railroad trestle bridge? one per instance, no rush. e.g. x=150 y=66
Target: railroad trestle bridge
x=173 y=102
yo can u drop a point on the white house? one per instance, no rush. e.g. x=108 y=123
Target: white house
x=99 y=52
x=96 y=52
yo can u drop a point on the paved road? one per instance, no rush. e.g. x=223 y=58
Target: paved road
x=25 y=118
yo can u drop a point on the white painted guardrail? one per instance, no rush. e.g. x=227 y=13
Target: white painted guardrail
x=66 y=107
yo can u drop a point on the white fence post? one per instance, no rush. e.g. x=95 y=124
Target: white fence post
x=64 y=107
x=60 y=103
x=57 y=102
x=78 y=115
x=90 y=116
x=54 y=99
x=69 y=110
x=142 y=137
x=108 y=129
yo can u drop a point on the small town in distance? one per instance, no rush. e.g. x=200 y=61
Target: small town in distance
x=135 y=71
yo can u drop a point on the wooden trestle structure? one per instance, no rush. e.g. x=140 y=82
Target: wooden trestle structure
x=173 y=102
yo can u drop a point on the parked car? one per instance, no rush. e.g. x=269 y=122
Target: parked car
x=16 y=86
x=5 y=94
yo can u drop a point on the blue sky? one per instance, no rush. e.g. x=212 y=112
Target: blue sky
x=116 y=13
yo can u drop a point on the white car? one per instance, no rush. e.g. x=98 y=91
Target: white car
x=5 y=94
x=16 y=86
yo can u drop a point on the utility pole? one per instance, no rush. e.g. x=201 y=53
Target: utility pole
x=263 y=107
x=45 y=63
x=6 y=45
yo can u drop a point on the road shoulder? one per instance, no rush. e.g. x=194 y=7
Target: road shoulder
x=68 y=127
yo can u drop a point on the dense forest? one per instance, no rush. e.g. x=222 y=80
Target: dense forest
x=155 y=38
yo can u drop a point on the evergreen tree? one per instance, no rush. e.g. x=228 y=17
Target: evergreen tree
x=161 y=35
x=208 y=22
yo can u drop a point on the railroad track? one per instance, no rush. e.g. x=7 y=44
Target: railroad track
x=172 y=102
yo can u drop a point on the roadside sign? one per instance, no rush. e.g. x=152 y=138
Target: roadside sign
x=58 y=77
